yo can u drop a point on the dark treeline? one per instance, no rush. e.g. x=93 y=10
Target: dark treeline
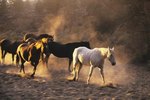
x=123 y=23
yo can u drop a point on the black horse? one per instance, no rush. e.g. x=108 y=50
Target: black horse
x=31 y=53
x=41 y=36
x=8 y=46
x=64 y=50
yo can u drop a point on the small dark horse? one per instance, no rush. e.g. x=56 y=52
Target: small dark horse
x=31 y=53
x=8 y=46
x=64 y=50
x=26 y=36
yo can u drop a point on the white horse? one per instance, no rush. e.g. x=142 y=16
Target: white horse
x=93 y=57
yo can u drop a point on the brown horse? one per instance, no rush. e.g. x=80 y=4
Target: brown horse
x=31 y=53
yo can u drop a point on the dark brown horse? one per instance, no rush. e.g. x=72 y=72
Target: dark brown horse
x=31 y=53
x=8 y=46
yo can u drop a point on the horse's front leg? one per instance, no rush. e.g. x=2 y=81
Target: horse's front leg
x=90 y=73
x=3 y=56
x=102 y=74
x=46 y=60
x=12 y=59
x=34 y=69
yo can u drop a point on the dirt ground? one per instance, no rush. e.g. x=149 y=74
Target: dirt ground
x=15 y=87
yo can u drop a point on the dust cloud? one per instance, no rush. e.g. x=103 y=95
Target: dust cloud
x=103 y=24
x=79 y=23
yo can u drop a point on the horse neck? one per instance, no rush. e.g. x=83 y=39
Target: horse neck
x=38 y=45
x=53 y=46
x=104 y=52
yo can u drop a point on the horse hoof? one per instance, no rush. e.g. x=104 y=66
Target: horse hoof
x=32 y=76
x=70 y=79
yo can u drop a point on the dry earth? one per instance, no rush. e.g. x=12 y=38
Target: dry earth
x=15 y=87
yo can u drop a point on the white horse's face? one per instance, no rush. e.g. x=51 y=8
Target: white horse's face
x=111 y=56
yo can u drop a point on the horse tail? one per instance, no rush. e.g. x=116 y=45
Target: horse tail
x=75 y=57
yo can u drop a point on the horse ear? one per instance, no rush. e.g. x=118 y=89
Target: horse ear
x=108 y=48
x=52 y=35
x=112 y=48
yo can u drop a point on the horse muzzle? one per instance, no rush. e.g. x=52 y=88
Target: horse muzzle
x=113 y=63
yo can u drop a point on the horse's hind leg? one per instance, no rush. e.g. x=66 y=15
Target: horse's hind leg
x=74 y=70
x=12 y=59
x=78 y=70
x=22 y=66
x=90 y=73
x=70 y=61
x=34 y=69
x=102 y=74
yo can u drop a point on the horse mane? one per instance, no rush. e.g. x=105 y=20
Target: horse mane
x=29 y=35
x=44 y=36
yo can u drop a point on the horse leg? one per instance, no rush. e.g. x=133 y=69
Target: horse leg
x=78 y=71
x=12 y=58
x=74 y=70
x=46 y=60
x=70 y=61
x=3 y=56
x=17 y=60
x=22 y=66
x=34 y=70
x=90 y=73
x=102 y=74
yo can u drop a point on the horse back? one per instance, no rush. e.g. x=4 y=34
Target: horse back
x=5 y=43
x=72 y=46
x=82 y=54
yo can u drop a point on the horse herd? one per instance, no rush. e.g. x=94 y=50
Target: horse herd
x=35 y=48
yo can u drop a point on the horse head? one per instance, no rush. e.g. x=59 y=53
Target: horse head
x=86 y=44
x=49 y=37
x=44 y=48
x=111 y=56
